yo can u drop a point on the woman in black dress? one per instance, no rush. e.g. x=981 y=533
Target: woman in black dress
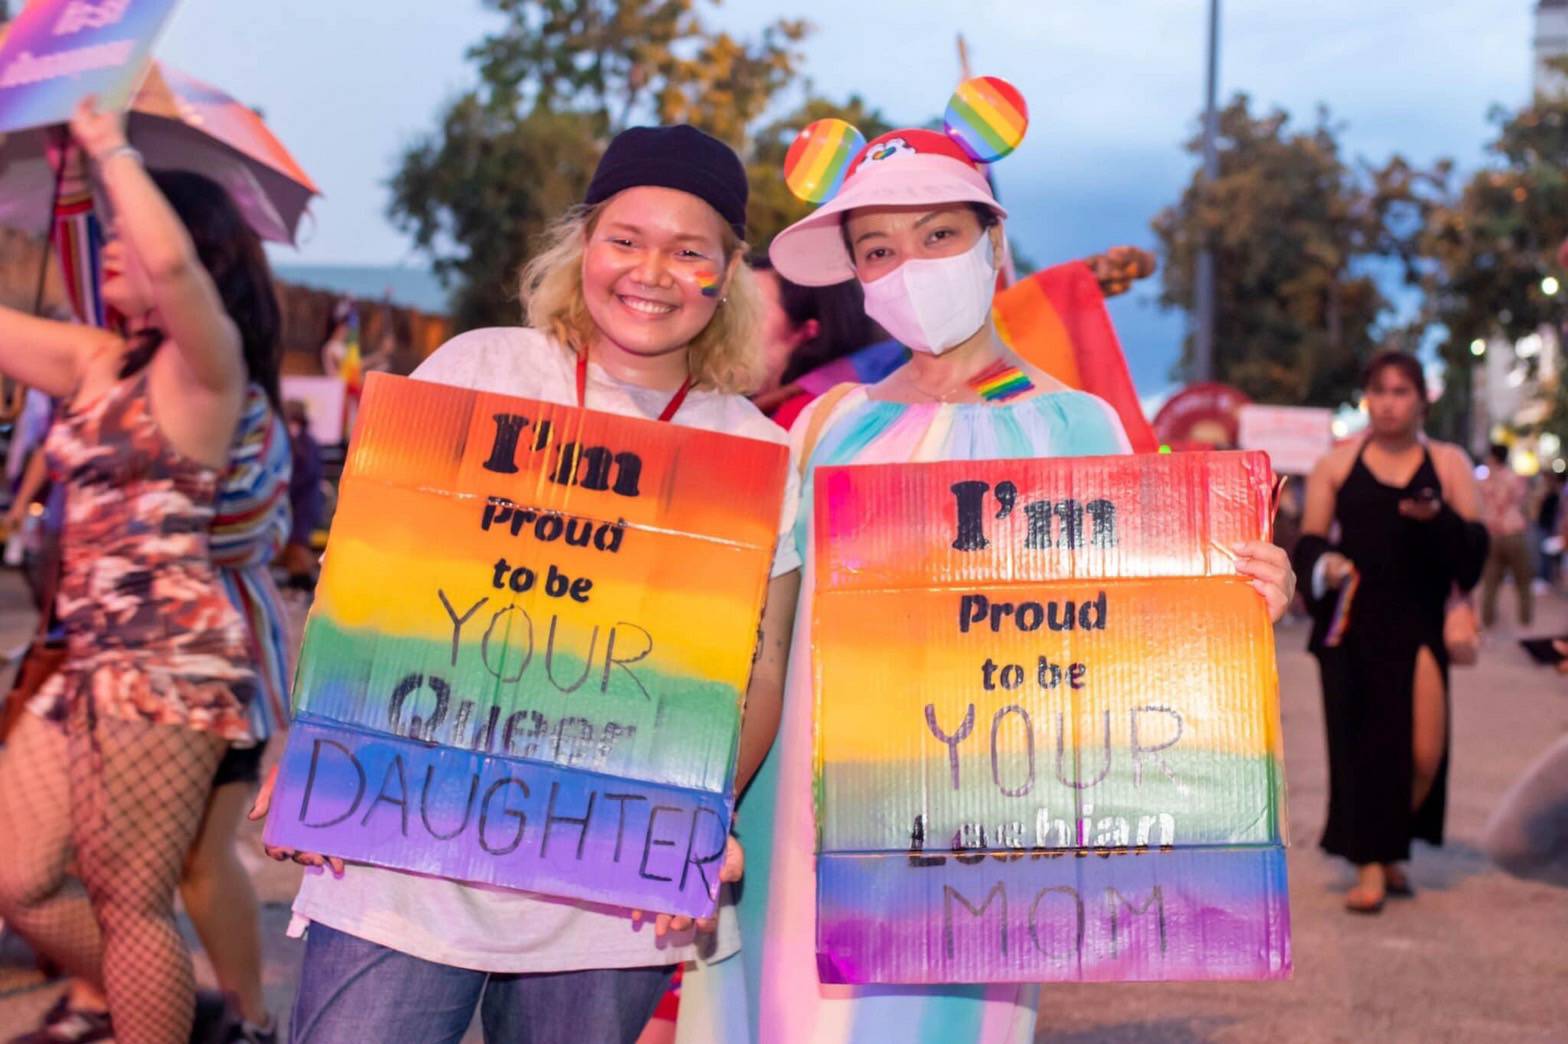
x=1389 y=531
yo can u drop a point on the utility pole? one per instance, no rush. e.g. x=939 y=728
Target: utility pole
x=1203 y=339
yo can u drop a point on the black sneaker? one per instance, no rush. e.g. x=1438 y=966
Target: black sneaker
x=210 y=1024
x=64 y=1024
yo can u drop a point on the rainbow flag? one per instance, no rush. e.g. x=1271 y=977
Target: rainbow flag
x=1056 y=320
x=78 y=243
x=527 y=657
x=1048 y=743
x=352 y=368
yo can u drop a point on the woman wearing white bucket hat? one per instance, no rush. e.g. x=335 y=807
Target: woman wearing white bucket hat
x=913 y=218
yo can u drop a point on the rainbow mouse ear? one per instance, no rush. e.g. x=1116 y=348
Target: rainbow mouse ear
x=819 y=157
x=987 y=117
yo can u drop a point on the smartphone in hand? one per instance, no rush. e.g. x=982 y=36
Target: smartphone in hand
x=1544 y=650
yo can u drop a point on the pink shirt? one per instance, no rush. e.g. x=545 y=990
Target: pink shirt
x=1503 y=496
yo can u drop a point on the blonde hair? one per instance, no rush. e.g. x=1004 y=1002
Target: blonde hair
x=724 y=356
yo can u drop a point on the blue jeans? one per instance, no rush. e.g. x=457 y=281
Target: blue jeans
x=352 y=991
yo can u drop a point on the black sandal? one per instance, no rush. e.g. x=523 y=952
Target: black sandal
x=1398 y=884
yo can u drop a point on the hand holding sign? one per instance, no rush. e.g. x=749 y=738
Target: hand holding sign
x=731 y=872
x=98 y=133
x=1269 y=569
x=258 y=812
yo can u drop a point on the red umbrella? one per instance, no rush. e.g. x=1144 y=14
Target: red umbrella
x=178 y=123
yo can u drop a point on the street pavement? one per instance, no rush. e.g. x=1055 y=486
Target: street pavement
x=1476 y=957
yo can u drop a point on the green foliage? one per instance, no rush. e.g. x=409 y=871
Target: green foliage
x=474 y=195
x=1295 y=229
x=773 y=206
x=557 y=80
x=1492 y=243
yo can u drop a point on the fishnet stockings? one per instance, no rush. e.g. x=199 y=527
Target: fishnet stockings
x=47 y=908
x=134 y=794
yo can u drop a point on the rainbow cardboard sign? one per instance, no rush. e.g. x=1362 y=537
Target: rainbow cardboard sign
x=529 y=648
x=1048 y=741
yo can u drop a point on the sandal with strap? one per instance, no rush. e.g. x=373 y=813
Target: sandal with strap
x=63 y=1024
x=1398 y=883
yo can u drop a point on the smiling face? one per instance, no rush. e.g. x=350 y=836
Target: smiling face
x=883 y=238
x=654 y=269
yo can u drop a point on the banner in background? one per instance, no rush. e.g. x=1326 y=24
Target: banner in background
x=1294 y=437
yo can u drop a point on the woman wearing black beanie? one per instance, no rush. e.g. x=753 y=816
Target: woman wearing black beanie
x=639 y=304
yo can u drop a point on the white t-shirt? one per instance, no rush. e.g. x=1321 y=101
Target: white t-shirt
x=496 y=929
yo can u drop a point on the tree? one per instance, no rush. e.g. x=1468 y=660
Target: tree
x=1296 y=231
x=1491 y=245
x=557 y=80
x=773 y=207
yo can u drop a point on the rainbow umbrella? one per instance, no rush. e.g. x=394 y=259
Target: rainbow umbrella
x=178 y=123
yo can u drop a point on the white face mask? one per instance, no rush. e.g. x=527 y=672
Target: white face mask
x=935 y=304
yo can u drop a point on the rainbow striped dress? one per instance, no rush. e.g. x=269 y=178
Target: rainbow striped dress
x=769 y=992
x=249 y=528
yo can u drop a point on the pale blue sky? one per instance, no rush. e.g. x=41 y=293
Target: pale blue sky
x=1114 y=88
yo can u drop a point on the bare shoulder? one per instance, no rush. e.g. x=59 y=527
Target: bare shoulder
x=1451 y=461
x=1334 y=466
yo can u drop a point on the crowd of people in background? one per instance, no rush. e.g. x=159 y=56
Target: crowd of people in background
x=128 y=765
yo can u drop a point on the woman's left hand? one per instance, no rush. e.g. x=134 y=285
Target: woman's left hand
x=730 y=871
x=1269 y=568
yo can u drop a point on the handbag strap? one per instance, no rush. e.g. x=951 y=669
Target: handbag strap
x=817 y=423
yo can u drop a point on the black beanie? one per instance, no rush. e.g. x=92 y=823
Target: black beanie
x=680 y=157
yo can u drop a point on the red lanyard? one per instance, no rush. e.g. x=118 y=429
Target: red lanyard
x=582 y=389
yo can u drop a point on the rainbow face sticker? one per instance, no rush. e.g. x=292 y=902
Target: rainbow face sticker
x=890 y=148
x=708 y=283
x=987 y=117
x=820 y=157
